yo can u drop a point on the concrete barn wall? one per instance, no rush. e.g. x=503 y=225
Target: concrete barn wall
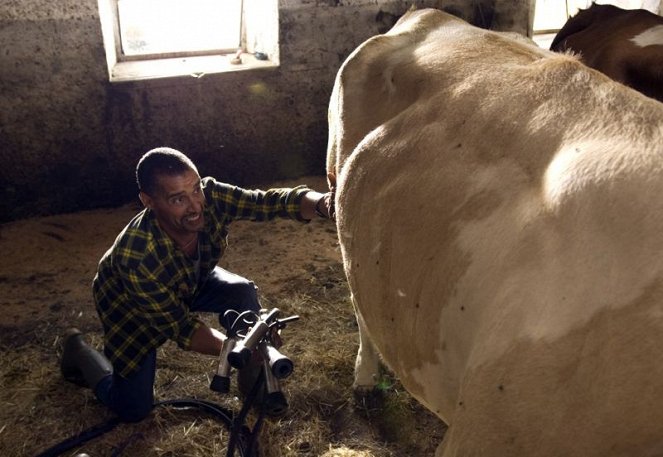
x=69 y=139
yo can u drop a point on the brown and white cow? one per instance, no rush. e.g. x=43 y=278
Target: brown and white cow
x=626 y=45
x=500 y=214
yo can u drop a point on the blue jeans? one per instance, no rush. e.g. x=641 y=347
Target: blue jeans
x=132 y=398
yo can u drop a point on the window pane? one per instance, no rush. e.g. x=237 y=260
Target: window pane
x=167 y=26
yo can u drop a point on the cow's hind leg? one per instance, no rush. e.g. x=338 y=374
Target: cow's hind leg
x=367 y=362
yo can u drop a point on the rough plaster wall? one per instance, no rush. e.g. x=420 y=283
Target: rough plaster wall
x=70 y=140
x=48 y=100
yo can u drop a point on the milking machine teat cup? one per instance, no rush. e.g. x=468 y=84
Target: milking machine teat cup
x=253 y=336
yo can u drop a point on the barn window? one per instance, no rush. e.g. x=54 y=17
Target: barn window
x=148 y=39
x=551 y=15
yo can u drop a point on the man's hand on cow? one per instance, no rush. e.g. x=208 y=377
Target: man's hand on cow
x=325 y=207
x=318 y=204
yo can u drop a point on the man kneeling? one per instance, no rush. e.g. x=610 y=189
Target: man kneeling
x=162 y=267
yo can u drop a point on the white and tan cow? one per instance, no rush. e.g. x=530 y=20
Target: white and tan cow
x=500 y=213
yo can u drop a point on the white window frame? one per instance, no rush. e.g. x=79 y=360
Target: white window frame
x=259 y=34
x=567 y=9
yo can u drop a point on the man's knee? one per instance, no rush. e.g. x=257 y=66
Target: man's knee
x=132 y=406
x=243 y=296
x=128 y=404
x=131 y=398
x=224 y=291
x=135 y=413
x=251 y=293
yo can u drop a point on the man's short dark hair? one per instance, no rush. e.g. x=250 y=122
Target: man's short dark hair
x=160 y=161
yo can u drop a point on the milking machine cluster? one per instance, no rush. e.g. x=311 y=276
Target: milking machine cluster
x=253 y=339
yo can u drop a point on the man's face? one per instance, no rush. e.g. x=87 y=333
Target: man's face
x=178 y=203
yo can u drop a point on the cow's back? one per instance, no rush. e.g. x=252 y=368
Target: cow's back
x=500 y=223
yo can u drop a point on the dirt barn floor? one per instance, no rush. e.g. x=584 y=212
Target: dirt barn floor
x=45 y=275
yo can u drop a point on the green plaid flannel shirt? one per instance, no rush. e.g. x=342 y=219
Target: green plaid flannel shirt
x=144 y=284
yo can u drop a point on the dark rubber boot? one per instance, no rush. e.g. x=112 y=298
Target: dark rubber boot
x=81 y=364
